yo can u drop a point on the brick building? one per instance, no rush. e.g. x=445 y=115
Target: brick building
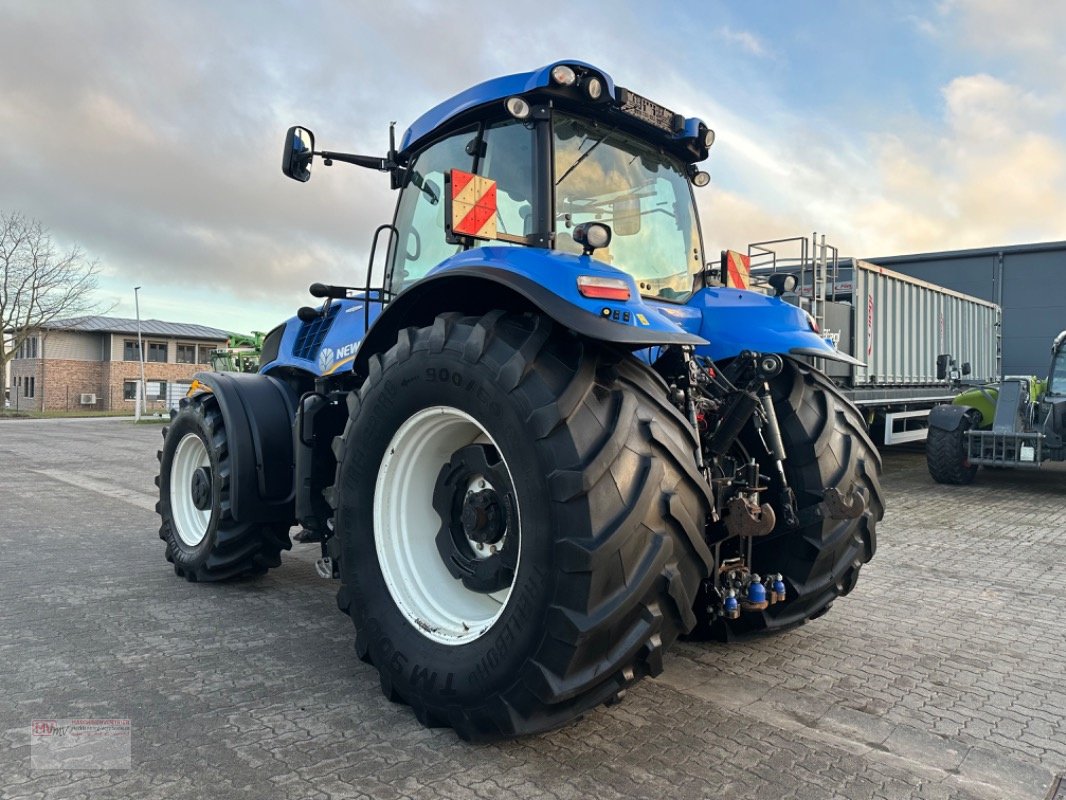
x=92 y=363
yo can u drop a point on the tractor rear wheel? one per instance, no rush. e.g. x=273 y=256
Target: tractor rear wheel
x=204 y=542
x=520 y=523
x=945 y=455
x=828 y=447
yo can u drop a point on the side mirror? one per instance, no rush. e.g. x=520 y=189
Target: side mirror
x=296 y=157
x=942 y=363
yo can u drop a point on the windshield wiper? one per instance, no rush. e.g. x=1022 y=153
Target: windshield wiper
x=585 y=155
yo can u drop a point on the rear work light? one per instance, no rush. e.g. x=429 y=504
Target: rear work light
x=603 y=288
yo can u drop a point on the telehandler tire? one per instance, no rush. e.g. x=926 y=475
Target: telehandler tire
x=204 y=542
x=945 y=455
x=520 y=523
x=828 y=446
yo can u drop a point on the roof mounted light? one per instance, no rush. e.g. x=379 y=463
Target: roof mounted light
x=564 y=75
x=708 y=138
x=517 y=107
x=701 y=178
x=594 y=88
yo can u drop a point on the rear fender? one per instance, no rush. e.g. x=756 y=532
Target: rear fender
x=257 y=411
x=526 y=279
x=735 y=320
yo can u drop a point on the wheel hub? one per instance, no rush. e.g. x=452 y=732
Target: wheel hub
x=474 y=500
x=201 y=488
x=483 y=520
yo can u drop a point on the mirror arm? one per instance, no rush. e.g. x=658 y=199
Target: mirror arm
x=371 y=162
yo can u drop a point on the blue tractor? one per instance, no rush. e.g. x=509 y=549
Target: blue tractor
x=548 y=440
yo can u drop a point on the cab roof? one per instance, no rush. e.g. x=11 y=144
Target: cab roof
x=499 y=89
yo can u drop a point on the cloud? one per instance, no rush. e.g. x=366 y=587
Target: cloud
x=995 y=174
x=747 y=41
x=1030 y=29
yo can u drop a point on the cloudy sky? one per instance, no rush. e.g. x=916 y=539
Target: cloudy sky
x=150 y=133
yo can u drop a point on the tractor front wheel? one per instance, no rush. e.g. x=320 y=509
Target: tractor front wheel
x=946 y=456
x=204 y=542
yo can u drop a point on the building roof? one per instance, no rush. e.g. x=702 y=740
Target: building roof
x=148 y=327
x=1035 y=247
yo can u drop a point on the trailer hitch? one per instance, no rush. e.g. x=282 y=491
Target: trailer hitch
x=745 y=518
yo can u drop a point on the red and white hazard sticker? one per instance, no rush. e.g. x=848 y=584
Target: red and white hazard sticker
x=473 y=201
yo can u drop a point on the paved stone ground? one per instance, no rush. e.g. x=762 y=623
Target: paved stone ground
x=942 y=676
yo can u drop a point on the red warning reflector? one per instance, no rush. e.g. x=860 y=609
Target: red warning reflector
x=736 y=267
x=602 y=288
x=472 y=201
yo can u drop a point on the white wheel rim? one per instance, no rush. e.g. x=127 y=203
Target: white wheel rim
x=191 y=522
x=436 y=604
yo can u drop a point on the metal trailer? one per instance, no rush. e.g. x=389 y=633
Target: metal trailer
x=900 y=327
x=1024 y=280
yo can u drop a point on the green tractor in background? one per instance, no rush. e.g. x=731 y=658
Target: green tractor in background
x=1020 y=422
x=241 y=353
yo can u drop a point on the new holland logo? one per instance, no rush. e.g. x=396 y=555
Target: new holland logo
x=325 y=359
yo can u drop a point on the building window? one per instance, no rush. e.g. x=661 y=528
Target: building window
x=28 y=348
x=154 y=390
x=28 y=386
x=186 y=354
x=157 y=352
x=204 y=354
x=129 y=351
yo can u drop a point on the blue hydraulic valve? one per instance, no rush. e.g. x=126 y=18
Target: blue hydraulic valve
x=778 y=588
x=730 y=606
x=756 y=591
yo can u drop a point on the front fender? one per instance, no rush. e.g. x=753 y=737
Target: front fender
x=948 y=417
x=257 y=411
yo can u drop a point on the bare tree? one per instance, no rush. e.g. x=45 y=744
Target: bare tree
x=39 y=284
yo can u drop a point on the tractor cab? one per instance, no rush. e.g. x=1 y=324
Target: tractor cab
x=559 y=159
x=1053 y=403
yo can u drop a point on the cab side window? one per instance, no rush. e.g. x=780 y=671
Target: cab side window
x=421 y=243
x=509 y=161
